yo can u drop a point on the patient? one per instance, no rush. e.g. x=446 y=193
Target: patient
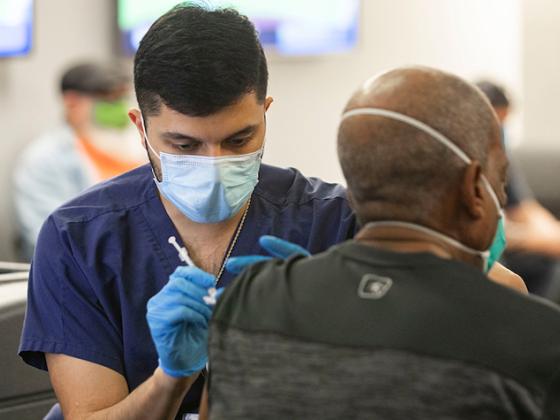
x=402 y=322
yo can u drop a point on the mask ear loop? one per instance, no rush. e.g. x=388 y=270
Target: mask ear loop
x=492 y=193
x=145 y=134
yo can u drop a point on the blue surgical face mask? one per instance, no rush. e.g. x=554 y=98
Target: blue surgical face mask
x=496 y=249
x=207 y=189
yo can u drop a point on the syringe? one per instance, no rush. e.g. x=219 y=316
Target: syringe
x=183 y=253
x=210 y=299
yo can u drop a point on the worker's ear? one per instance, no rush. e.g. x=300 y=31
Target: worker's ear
x=472 y=194
x=267 y=102
x=136 y=117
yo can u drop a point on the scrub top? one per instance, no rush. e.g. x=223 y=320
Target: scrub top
x=101 y=256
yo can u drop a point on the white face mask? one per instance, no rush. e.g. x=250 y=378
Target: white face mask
x=207 y=189
x=489 y=256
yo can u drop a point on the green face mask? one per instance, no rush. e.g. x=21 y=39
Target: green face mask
x=111 y=114
x=498 y=245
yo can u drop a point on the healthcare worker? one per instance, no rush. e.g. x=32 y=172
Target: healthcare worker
x=95 y=142
x=201 y=84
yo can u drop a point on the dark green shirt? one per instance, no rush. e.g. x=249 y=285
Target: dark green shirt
x=357 y=332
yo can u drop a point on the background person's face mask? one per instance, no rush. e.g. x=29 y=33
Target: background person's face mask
x=207 y=189
x=111 y=114
x=496 y=249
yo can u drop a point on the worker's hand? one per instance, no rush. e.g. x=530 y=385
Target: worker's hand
x=276 y=247
x=507 y=278
x=178 y=320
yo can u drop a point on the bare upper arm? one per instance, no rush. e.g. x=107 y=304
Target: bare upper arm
x=508 y=278
x=203 y=409
x=84 y=387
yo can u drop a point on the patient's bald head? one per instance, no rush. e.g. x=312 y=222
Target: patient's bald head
x=395 y=170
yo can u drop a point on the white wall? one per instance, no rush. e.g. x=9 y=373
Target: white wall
x=474 y=38
x=65 y=31
x=470 y=37
x=541 y=79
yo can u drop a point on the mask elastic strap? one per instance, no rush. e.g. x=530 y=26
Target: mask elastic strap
x=434 y=233
x=146 y=137
x=493 y=195
x=436 y=135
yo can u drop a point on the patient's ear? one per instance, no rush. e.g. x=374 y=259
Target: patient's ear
x=472 y=196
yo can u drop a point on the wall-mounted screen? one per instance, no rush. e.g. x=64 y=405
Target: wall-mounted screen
x=289 y=27
x=16 y=27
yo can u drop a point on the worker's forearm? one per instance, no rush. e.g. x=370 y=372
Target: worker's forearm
x=159 y=397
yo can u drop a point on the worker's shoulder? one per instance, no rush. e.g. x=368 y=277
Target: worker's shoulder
x=109 y=198
x=288 y=186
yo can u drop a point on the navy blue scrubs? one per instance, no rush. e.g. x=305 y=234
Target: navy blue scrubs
x=101 y=256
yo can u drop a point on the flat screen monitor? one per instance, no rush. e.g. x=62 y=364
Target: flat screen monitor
x=16 y=27
x=288 y=27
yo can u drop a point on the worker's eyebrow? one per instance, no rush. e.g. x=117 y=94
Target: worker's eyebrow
x=175 y=135
x=178 y=136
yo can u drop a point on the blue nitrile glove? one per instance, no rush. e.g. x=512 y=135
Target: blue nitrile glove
x=278 y=248
x=178 y=320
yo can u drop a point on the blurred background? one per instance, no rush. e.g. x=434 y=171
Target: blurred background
x=512 y=42
x=319 y=51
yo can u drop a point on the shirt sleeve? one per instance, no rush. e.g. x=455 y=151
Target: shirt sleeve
x=63 y=313
x=552 y=402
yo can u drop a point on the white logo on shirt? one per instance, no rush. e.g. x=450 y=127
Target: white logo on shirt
x=373 y=286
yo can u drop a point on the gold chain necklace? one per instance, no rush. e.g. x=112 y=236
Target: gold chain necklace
x=184 y=254
x=233 y=242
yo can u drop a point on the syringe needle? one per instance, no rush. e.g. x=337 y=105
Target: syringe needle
x=183 y=254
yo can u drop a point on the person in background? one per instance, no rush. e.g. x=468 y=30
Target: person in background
x=533 y=233
x=402 y=322
x=95 y=142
